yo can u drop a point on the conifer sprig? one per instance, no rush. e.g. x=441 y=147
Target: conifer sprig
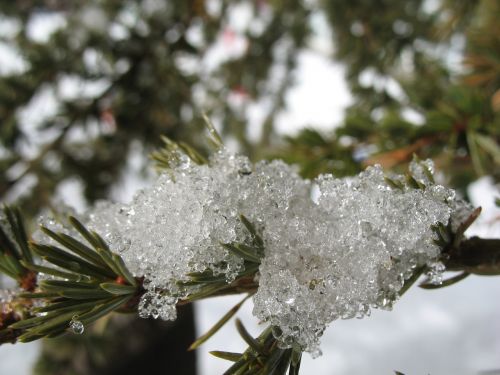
x=15 y=254
x=85 y=280
x=82 y=281
x=263 y=355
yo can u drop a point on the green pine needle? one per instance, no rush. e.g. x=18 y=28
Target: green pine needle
x=218 y=325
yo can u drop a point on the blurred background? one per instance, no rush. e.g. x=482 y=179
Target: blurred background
x=88 y=87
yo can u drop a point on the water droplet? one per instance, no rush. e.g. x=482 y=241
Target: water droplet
x=435 y=273
x=76 y=326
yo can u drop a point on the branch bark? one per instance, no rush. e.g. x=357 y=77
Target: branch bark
x=480 y=256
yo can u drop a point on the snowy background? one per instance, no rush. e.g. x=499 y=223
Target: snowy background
x=455 y=330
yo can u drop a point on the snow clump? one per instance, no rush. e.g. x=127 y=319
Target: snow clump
x=334 y=248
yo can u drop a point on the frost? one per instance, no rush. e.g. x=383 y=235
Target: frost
x=335 y=257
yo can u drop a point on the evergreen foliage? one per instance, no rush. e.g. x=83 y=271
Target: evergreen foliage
x=411 y=94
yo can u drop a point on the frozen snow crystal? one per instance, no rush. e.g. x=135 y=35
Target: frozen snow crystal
x=337 y=256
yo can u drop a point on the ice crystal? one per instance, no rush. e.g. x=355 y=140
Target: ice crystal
x=348 y=250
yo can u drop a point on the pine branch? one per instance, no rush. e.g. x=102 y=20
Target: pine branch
x=84 y=284
x=85 y=280
x=174 y=153
x=15 y=254
x=263 y=355
x=89 y=281
x=478 y=256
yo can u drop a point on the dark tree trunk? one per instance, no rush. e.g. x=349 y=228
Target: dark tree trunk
x=128 y=345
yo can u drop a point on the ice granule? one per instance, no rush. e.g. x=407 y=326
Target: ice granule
x=337 y=256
